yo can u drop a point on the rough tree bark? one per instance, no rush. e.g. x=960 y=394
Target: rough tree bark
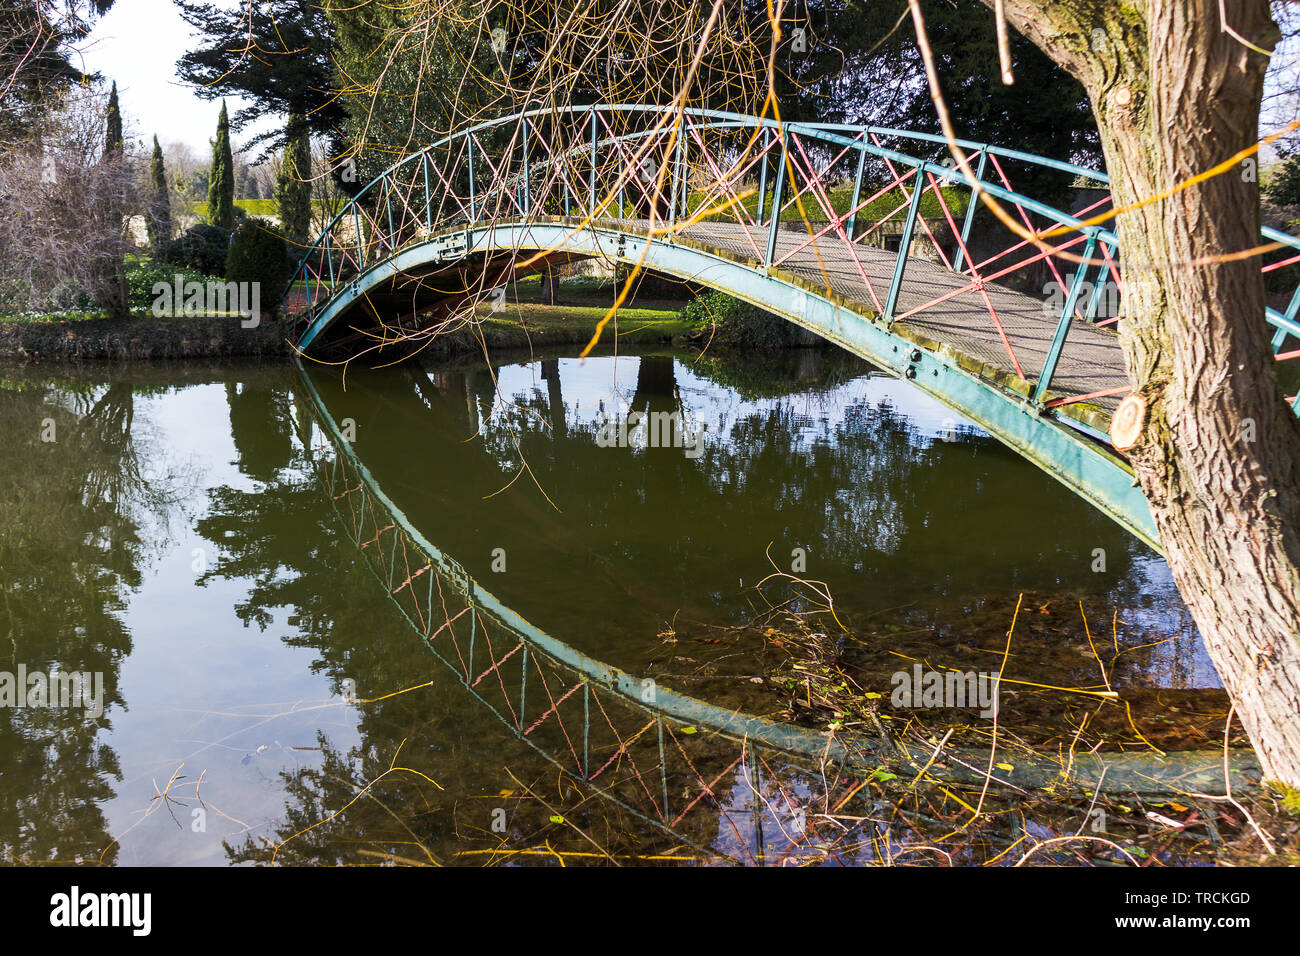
x=550 y=284
x=1174 y=95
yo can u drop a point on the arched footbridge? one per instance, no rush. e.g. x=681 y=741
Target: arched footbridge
x=854 y=232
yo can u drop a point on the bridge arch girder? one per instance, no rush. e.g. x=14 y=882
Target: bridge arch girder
x=1078 y=461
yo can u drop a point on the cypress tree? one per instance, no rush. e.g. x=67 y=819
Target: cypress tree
x=113 y=133
x=114 y=266
x=293 y=189
x=221 y=179
x=159 y=220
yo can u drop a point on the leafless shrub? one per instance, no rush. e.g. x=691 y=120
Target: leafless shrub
x=63 y=204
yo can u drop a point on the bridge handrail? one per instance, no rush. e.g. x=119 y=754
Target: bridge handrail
x=823 y=131
x=510 y=183
x=817 y=130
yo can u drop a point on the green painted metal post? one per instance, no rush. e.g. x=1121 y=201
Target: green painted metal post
x=527 y=203
x=329 y=256
x=1279 y=338
x=970 y=210
x=473 y=631
x=1063 y=326
x=523 y=684
x=592 y=210
x=677 y=205
x=473 y=215
x=388 y=207
x=1098 y=289
x=356 y=222
x=762 y=173
x=776 y=204
x=663 y=765
x=904 y=244
x=428 y=195
x=428 y=602
x=857 y=189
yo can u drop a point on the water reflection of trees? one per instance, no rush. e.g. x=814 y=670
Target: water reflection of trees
x=70 y=551
x=889 y=514
x=434 y=767
x=862 y=488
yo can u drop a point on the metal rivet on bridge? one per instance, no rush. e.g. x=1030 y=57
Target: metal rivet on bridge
x=916 y=355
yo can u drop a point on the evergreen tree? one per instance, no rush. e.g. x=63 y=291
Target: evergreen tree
x=159 y=219
x=113 y=133
x=113 y=263
x=293 y=190
x=221 y=178
x=38 y=57
x=1284 y=185
x=290 y=73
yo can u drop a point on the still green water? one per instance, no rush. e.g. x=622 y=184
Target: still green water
x=170 y=528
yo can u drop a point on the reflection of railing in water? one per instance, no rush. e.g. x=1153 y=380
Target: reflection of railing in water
x=660 y=755
x=663 y=757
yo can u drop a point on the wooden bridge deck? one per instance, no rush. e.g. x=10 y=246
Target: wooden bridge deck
x=1091 y=361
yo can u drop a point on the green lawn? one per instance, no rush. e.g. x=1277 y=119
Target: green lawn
x=841 y=201
x=254 y=207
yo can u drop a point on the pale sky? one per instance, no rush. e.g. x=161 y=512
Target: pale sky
x=139 y=41
x=137 y=44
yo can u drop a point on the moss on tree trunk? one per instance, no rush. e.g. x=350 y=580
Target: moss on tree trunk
x=1219 y=456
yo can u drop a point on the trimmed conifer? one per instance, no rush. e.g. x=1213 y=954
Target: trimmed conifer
x=221 y=178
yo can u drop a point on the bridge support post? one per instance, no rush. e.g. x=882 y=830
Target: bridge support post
x=776 y=203
x=1098 y=288
x=388 y=208
x=356 y=223
x=473 y=216
x=591 y=211
x=970 y=211
x=762 y=173
x=1063 y=326
x=1292 y=310
x=857 y=188
x=677 y=200
x=905 y=243
x=428 y=196
x=527 y=204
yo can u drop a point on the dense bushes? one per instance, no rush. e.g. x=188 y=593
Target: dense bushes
x=144 y=275
x=259 y=255
x=721 y=320
x=201 y=247
x=1283 y=186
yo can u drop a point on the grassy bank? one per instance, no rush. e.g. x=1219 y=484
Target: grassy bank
x=663 y=314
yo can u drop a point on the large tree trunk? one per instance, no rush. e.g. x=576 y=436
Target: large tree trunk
x=550 y=284
x=1219 y=456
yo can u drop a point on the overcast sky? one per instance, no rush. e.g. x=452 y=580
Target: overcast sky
x=137 y=44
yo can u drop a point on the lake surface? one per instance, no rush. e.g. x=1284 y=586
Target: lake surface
x=179 y=530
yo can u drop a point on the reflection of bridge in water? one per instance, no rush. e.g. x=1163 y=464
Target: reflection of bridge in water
x=722 y=781
x=701 y=196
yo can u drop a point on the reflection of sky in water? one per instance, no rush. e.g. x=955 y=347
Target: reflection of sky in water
x=207 y=695
x=608 y=382
x=604 y=386
x=202 y=688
